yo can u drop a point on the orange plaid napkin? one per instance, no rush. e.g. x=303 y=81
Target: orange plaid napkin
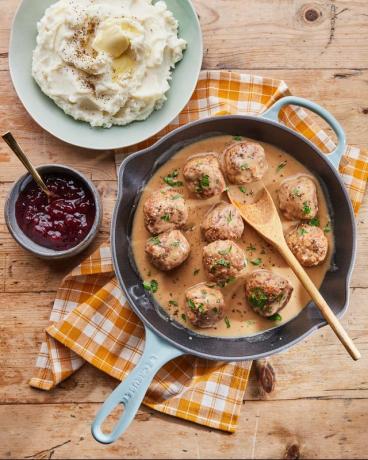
x=91 y=321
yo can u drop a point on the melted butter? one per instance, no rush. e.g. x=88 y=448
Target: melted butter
x=130 y=28
x=112 y=40
x=123 y=64
x=171 y=286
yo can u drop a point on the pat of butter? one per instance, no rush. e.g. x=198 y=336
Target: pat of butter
x=123 y=64
x=112 y=40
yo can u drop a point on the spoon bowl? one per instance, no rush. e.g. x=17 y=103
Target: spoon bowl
x=261 y=213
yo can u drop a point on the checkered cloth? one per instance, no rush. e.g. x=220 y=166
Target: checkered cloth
x=91 y=321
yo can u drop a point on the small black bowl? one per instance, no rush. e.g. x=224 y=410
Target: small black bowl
x=24 y=240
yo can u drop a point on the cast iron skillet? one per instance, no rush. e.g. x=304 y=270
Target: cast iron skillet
x=165 y=339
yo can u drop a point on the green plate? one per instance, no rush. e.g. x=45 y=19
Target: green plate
x=48 y=115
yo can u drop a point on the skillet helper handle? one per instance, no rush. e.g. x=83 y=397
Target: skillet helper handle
x=319 y=301
x=131 y=391
x=273 y=115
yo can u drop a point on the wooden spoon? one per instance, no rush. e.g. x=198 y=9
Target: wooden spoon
x=13 y=144
x=262 y=215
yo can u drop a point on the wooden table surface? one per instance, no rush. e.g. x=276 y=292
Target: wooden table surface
x=319 y=408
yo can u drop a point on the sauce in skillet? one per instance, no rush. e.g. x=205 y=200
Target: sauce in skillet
x=170 y=294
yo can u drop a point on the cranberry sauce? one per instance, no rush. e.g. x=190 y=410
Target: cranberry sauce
x=59 y=222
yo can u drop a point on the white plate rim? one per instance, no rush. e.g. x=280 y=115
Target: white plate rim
x=111 y=146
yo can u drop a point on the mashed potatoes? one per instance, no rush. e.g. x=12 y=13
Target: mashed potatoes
x=107 y=62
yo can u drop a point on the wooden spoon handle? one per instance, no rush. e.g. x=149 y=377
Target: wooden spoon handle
x=319 y=301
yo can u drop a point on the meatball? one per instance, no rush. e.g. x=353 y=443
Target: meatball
x=164 y=210
x=266 y=292
x=298 y=198
x=223 y=222
x=223 y=261
x=203 y=175
x=204 y=305
x=308 y=244
x=244 y=162
x=168 y=250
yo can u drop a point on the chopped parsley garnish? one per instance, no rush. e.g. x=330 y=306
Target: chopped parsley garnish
x=166 y=217
x=223 y=263
x=306 y=208
x=237 y=138
x=258 y=298
x=229 y=217
x=174 y=303
x=327 y=227
x=191 y=304
x=205 y=181
x=201 y=308
x=275 y=317
x=302 y=231
x=229 y=280
x=176 y=197
x=256 y=262
x=183 y=317
x=155 y=240
x=151 y=286
x=244 y=166
x=170 y=179
x=226 y=251
x=175 y=244
x=251 y=247
x=314 y=222
x=196 y=271
x=227 y=322
x=154 y=286
x=281 y=166
x=147 y=285
x=243 y=189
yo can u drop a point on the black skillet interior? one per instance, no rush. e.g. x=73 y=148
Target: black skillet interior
x=137 y=170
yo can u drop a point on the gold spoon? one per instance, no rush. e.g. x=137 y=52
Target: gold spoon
x=13 y=144
x=262 y=215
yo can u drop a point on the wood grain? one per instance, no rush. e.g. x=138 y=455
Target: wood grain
x=306 y=371
x=63 y=431
x=261 y=34
x=21 y=272
x=350 y=108
x=319 y=406
x=264 y=34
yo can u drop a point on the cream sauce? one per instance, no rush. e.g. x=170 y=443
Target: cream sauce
x=171 y=286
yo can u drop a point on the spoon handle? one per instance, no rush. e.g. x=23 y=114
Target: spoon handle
x=319 y=301
x=13 y=144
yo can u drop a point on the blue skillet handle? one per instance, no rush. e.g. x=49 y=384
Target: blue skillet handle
x=131 y=391
x=273 y=114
